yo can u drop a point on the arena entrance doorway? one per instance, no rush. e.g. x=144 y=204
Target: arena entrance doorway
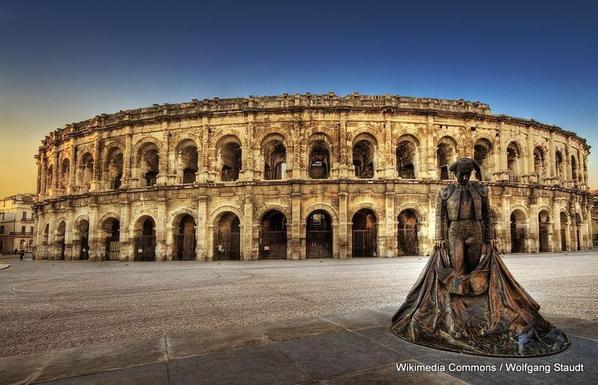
x=145 y=239
x=185 y=238
x=364 y=234
x=227 y=237
x=273 y=236
x=319 y=235
x=407 y=241
x=517 y=231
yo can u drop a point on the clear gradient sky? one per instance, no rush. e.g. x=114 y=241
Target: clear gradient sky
x=66 y=61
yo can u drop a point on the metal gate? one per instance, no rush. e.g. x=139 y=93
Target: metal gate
x=185 y=247
x=364 y=243
x=273 y=244
x=543 y=238
x=227 y=245
x=113 y=250
x=517 y=240
x=319 y=244
x=145 y=248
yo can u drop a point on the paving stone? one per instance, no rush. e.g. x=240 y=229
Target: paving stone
x=254 y=365
x=96 y=358
x=213 y=341
x=22 y=369
x=153 y=374
x=388 y=375
x=404 y=349
x=575 y=326
x=328 y=355
x=296 y=328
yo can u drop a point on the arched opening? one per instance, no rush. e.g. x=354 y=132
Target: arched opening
x=574 y=172
x=407 y=239
x=111 y=229
x=86 y=172
x=364 y=234
x=149 y=163
x=482 y=153
x=230 y=160
x=363 y=159
x=145 y=239
x=319 y=160
x=319 y=235
x=45 y=240
x=578 y=223
x=517 y=231
x=275 y=160
x=558 y=163
x=563 y=220
x=113 y=168
x=543 y=229
x=513 y=160
x=227 y=237
x=187 y=161
x=539 y=165
x=65 y=169
x=83 y=238
x=406 y=153
x=446 y=154
x=273 y=236
x=60 y=239
x=49 y=177
x=185 y=238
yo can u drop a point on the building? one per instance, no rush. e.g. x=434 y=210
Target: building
x=16 y=223
x=300 y=176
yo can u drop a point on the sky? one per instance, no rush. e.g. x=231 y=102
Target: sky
x=67 y=61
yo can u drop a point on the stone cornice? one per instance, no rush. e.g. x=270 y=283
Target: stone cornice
x=392 y=104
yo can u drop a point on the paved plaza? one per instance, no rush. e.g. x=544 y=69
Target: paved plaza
x=48 y=305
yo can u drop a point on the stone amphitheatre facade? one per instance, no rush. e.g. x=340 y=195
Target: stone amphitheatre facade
x=299 y=176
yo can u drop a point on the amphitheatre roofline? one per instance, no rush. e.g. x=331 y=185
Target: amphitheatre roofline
x=296 y=103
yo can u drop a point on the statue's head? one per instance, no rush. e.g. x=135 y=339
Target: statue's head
x=463 y=168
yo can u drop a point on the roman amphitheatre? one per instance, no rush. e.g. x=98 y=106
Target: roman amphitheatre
x=299 y=176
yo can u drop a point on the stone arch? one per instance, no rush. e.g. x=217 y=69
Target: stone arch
x=113 y=166
x=179 y=212
x=217 y=212
x=418 y=209
x=259 y=214
x=221 y=136
x=408 y=222
x=559 y=164
x=319 y=234
x=364 y=231
x=364 y=152
x=544 y=223
x=514 y=155
x=229 y=157
x=182 y=233
x=483 y=151
x=273 y=150
x=321 y=206
x=518 y=227
x=273 y=236
x=226 y=229
x=60 y=238
x=407 y=156
x=446 y=154
x=574 y=169
x=186 y=160
x=65 y=172
x=272 y=134
x=81 y=230
x=147 y=161
x=319 y=156
x=144 y=229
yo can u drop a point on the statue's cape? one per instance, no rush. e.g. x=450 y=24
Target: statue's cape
x=484 y=312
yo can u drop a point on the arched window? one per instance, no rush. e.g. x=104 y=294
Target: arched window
x=86 y=172
x=574 y=171
x=406 y=154
x=319 y=160
x=482 y=153
x=513 y=161
x=187 y=161
x=446 y=153
x=65 y=170
x=539 y=165
x=275 y=159
x=230 y=158
x=113 y=169
x=148 y=163
x=558 y=160
x=363 y=159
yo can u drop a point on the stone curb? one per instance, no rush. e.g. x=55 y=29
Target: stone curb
x=4 y=266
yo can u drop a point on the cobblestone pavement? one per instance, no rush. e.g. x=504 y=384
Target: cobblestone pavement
x=48 y=305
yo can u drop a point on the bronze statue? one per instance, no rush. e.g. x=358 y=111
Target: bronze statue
x=466 y=299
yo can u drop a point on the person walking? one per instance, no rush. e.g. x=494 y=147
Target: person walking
x=21 y=254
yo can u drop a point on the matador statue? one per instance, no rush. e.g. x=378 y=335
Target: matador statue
x=466 y=299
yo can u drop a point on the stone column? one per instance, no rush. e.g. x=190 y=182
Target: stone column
x=428 y=150
x=126 y=246
x=343 y=228
x=390 y=226
x=344 y=164
x=388 y=154
x=161 y=247
x=70 y=252
x=96 y=249
x=73 y=168
x=533 y=237
x=201 y=248
x=164 y=153
x=127 y=159
x=296 y=240
x=43 y=177
x=246 y=237
x=55 y=172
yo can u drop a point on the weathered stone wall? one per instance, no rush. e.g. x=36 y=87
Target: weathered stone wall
x=530 y=168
